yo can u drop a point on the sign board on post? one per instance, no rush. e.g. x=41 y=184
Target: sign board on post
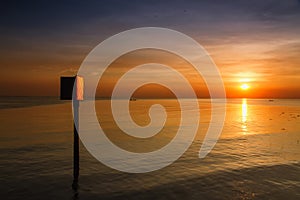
x=66 y=88
x=79 y=88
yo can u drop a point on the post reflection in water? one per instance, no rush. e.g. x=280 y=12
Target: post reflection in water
x=244 y=115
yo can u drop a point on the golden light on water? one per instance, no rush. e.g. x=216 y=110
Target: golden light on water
x=244 y=110
x=244 y=114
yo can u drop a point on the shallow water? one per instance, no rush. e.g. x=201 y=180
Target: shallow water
x=257 y=156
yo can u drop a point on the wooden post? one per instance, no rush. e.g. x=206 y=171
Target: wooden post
x=75 y=146
x=67 y=85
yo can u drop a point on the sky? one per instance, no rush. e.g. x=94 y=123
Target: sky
x=251 y=42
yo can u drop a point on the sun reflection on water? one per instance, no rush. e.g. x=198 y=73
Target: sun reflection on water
x=244 y=114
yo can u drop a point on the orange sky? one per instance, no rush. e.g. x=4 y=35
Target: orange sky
x=255 y=42
x=268 y=75
x=272 y=75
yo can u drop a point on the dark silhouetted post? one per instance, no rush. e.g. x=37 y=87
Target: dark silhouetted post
x=67 y=85
x=75 y=146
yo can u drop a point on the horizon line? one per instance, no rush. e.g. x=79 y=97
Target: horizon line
x=107 y=98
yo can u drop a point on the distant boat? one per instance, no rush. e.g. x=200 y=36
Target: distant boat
x=271 y=100
x=132 y=99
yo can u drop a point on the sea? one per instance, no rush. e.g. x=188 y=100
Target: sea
x=257 y=155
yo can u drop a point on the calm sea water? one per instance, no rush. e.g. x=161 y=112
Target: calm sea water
x=257 y=156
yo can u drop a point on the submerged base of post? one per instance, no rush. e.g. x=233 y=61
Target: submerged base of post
x=75 y=185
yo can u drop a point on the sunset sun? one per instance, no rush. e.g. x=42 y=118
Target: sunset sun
x=245 y=86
